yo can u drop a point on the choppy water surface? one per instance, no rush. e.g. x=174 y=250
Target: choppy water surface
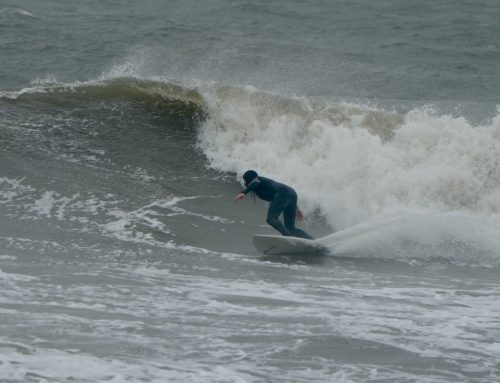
x=124 y=129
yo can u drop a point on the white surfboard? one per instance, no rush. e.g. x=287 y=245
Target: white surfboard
x=280 y=245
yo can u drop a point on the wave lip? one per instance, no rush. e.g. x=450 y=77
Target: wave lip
x=125 y=88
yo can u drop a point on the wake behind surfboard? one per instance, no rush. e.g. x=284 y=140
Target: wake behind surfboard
x=279 y=245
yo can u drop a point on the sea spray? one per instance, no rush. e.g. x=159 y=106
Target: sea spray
x=440 y=173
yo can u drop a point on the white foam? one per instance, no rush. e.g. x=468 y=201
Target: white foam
x=11 y=188
x=45 y=204
x=12 y=277
x=110 y=220
x=451 y=235
x=124 y=226
x=176 y=210
x=49 y=85
x=17 y=11
x=20 y=361
x=356 y=163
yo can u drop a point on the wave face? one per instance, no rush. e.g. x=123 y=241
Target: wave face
x=433 y=176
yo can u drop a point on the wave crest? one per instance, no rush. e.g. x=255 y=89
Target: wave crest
x=154 y=92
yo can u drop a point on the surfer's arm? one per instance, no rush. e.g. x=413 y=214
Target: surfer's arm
x=239 y=196
x=251 y=186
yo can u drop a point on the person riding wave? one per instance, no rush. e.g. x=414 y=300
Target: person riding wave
x=282 y=198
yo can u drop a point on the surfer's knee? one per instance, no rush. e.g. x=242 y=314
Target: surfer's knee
x=270 y=220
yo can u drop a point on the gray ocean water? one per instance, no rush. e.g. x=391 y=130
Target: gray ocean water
x=125 y=128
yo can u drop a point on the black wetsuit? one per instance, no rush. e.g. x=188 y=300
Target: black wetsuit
x=283 y=199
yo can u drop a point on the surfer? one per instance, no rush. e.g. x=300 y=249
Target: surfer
x=282 y=198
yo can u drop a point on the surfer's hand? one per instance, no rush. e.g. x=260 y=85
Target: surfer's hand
x=299 y=215
x=239 y=196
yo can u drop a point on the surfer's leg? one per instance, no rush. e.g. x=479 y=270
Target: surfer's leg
x=275 y=208
x=301 y=234
x=289 y=214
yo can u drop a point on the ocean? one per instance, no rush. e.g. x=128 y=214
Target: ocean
x=125 y=128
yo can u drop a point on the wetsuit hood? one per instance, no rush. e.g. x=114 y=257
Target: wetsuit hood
x=249 y=176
